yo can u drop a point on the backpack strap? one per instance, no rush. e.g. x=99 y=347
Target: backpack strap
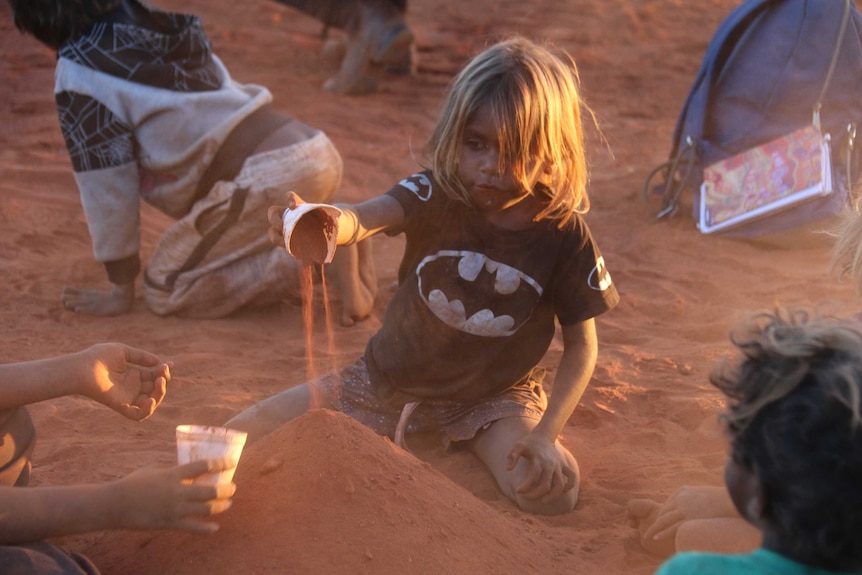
x=845 y=19
x=685 y=154
x=720 y=48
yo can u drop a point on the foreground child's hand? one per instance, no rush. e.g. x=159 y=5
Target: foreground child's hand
x=116 y=301
x=275 y=217
x=155 y=498
x=687 y=503
x=549 y=475
x=131 y=381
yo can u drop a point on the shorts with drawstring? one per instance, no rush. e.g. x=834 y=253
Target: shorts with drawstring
x=349 y=391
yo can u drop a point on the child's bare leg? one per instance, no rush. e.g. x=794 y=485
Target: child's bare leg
x=492 y=447
x=355 y=279
x=266 y=415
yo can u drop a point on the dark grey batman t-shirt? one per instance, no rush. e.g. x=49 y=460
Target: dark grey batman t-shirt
x=476 y=304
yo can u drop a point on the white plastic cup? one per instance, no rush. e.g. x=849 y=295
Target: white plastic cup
x=312 y=241
x=195 y=442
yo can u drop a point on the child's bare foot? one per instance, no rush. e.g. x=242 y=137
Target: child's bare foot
x=116 y=301
x=383 y=43
x=353 y=274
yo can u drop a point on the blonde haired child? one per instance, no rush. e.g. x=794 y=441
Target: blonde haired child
x=497 y=252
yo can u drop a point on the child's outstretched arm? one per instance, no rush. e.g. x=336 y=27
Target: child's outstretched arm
x=150 y=498
x=370 y=217
x=550 y=475
x=129 y=380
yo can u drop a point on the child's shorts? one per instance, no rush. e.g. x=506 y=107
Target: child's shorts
x=350 y=392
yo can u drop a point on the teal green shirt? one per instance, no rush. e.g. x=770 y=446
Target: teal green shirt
x=760 y=562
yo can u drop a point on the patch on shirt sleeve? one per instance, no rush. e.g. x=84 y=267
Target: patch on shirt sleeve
x=600 y=277
x=94 y=136
x=419 y=185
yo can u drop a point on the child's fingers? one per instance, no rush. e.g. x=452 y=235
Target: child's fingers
x=196 y=525
x=274 y=215
x=664 y=525
x=134 y=412
x=293 y=200
x=165 y=370
x=204 y=508
x=160 y=389
x=137 y=356
x=558 y=486
x=571 y=478
x=538 y=483
x=144 y=407
x=209 y=492
x=513 y=457
x=276 y=237
x=203 y=466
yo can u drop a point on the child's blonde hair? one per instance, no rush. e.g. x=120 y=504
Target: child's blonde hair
x=533 y=94
x=847 y=252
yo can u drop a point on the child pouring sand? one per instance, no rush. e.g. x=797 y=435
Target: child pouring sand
x=795 y=463
x=497 y=253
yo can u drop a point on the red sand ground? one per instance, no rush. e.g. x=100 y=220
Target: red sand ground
x=324 y=495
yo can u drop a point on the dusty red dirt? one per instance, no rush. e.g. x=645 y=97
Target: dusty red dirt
x=324 y=495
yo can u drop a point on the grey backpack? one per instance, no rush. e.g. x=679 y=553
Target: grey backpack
x=770 y=66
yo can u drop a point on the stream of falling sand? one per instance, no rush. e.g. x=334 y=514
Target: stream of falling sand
x=306 y=284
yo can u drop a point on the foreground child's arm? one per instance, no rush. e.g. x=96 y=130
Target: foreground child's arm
x=688 y=503
x=132 y=382
x=129 y=380
x=150 y=498
x=550 y=474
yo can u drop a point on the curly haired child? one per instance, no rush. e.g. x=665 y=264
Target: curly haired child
x=795 y=464
x=497 y=254
x=703 y=517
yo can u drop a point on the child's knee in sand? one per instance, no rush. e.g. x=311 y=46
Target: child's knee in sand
x=550 y=494
x=564 y=502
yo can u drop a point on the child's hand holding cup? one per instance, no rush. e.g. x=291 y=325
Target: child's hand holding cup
x=310 y=231
x=196 y=442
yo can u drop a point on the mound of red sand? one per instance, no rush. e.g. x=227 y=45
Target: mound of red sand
x=324 y=494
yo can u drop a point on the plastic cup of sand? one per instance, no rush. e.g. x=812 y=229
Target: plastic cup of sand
x=311 y=232
x=196 y=442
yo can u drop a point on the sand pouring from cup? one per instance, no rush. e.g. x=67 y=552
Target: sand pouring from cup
x=311 y=232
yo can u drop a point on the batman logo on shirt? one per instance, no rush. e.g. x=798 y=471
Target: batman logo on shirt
x=477 y=295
